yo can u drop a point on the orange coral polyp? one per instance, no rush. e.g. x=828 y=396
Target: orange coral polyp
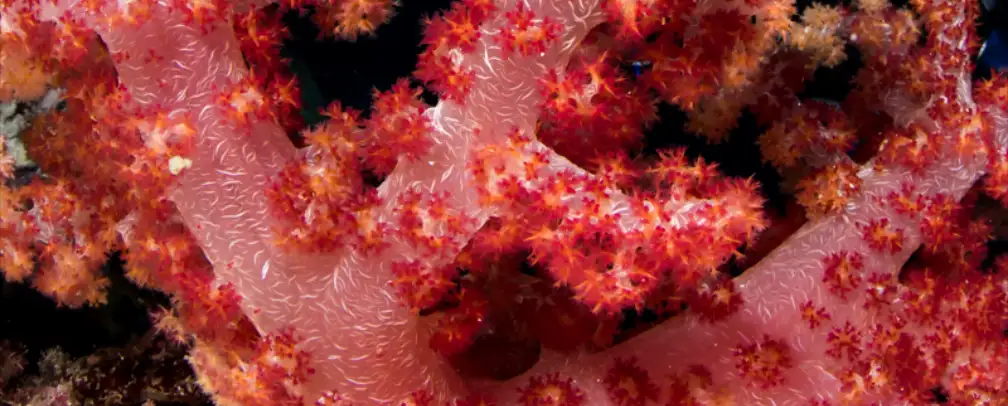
x=22 y=75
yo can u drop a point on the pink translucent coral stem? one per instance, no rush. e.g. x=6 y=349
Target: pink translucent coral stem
x=773 y=291
x=364 y=343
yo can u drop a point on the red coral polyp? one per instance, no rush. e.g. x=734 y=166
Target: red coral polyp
x=551 y=390
x=525 y=34
x=843 y=272
x=715 y=300
x=882 y=236
x=763 y=363
x=420 y=286
x=630 y=385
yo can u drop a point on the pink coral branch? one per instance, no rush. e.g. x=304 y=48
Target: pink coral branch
x=773 y=292
x=364 y=343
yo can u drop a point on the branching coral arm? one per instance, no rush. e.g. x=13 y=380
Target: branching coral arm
x=353 y=324
x=735 y=351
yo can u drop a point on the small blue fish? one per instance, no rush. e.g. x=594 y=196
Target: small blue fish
x=994 y=52
x=638 y=67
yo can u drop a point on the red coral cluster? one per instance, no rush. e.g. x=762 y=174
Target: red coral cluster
x=523 y=227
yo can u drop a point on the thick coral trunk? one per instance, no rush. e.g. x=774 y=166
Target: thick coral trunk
x=365 y=345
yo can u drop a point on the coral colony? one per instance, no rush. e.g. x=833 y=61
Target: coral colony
x=517 y=243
